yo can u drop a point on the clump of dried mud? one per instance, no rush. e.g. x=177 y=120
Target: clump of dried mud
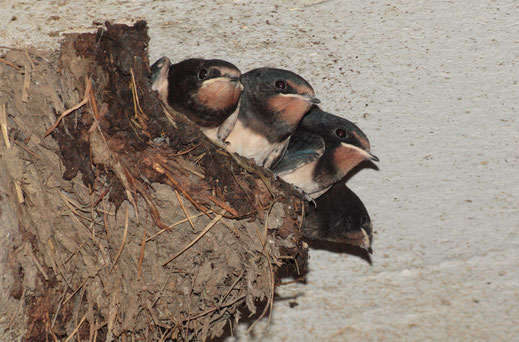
x=124 y=221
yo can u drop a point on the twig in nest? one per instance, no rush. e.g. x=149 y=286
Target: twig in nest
x=143 y=247
x=123 y=242
x=270 y=302
x=30 y=60
x=103 y=194
x=239 y=185
x=22 y=300
x=3 y=124
x=26 y=82
x=105 y=220
x=184 y=210
x=232 y=287
x=254 y=170
x=222 y=204
x=36 y=262
x=77 y=328
x=165 y=171
x=291 y=257
x=76 y=290
x=88 y=89
x=266 y=227
x=93 y=105
x=199 y=236
x=187 y=151
x=174 y=225
x=48 y=328
x=10 y=64
x=302 y=216
x=139 y=113
x=139 y=119
x=199 y=158
x=27 y=149
x=97 y=114
x=5 y=133
x=73 y=206
x=151 y=206
x=203 y=313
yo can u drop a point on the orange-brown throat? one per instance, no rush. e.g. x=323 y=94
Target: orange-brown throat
x=291 y=108
x=346 y=157
x=219 y=93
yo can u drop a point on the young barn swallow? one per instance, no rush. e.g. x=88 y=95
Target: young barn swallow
x=340 y=217
x=322 y=151
x=273 y=103
x=207 y=91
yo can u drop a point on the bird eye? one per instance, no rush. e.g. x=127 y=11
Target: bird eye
x=341 y=133
x=202 y=74
x=281 y=85
x=363 y=220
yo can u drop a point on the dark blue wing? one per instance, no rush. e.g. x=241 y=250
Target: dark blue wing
x=304 y=147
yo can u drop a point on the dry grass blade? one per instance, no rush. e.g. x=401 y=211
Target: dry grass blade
x=20 y=304
x=163 y=170
x=3 y=124
x=26 y=149
x=88 y=89
x=143 y=247
x=256 y=171
x=151 y=206
x=187 y=151
x=75 y=291
x=215 y=308
x=76 y=328
x=139 y=113
x=26 y=82
x=199 y=236
x=123 y=242
x=223 y=205
x=265 y=227
x=174 y=225
x=184 y=210
x=73 y=206
x=270 y=302
x=28 y=250
x=5 y=134
x=30 y=59
x=232 y=287
x=10 y=64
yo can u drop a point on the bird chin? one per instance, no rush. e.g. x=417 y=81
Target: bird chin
x=219 y=93
x=292 y=107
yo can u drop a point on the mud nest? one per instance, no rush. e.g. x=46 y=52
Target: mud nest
x=118 y=219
